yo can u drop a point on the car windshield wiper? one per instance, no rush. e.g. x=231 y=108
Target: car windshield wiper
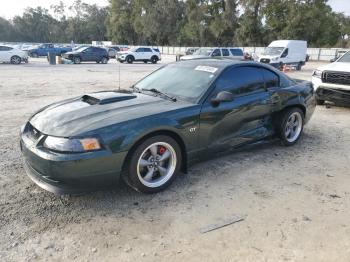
x=156 y=91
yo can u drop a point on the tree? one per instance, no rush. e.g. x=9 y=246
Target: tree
x=251 y=30
x=120 y=28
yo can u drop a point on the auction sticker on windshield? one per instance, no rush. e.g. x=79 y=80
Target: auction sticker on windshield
x=208 y=69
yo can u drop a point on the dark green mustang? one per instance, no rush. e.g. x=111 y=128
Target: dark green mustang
x=175 y=116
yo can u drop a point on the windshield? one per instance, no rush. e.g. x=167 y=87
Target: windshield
x=203 y=51
x=345 y=58
x=188 y=82
x=273 y=51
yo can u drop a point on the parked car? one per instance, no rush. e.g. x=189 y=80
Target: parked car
x=181 y=113
x=285 y=52
x=339 y=53
x=88 y=54
x=145 y=54
x=12 y=55
x=332 y=81
x=113 y=50
x=44 y=49
x=191 y=50
x=226 y=52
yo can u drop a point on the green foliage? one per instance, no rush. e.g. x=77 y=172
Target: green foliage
x=179 y=22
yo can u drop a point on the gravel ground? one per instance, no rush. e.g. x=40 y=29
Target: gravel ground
x=295 y=201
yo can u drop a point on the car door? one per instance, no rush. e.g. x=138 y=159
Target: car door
x=87 y=54
x=147 y=53
x=241 y=120
x=139 y=54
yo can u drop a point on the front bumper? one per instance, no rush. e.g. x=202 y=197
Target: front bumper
x=331 y=92
x=71 y=173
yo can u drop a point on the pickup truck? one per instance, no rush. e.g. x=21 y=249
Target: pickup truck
x=44 y=49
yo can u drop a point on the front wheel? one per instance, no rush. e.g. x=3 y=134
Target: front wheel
x=129 y=59
x=76 y=60
x=290 y=126
x=154 y=164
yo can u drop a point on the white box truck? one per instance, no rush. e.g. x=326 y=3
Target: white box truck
x=285 y=52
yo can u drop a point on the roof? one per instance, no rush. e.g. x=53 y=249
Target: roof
x=215 y=62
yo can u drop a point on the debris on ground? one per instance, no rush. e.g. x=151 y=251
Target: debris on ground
x=227 y=222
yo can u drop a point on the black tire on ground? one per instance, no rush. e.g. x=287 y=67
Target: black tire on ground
x=35 y=55
x=145 y=61
x=129 y=59
x=320 y=102
x=154 y=59
x=16 y=60
x=76 y=60
x=104 y=60
x=300 y=64
x=282 y=125
x=130 y=172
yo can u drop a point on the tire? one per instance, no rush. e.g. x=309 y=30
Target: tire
x=104 y=60
x=35 y=55
x=319 y=102
x=16 y=60
x=148 y=176
x=129 y=59
x=300 y=64
x=154 y=60
x=76 y=60
x=145 y=61
x=290 y=126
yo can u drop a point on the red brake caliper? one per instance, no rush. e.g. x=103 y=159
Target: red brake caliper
x=162 y=149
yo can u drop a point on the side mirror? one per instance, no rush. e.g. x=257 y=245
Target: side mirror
x=222 y=96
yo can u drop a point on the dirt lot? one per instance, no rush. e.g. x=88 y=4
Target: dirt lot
x=296 y=201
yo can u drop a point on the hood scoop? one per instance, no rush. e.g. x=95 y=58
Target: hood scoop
x=102 y=98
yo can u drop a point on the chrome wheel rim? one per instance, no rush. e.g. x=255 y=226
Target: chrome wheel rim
x=293 y=127
x=16 y=60
x=156 y=164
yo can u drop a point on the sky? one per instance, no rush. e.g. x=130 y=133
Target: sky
x=15 y=7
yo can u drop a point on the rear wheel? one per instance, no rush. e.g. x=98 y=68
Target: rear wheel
x=154 y=59
x=290 y=126
x=104 y=60
x=76 y=60
x=145 y=61
x=16 y=60
x=154 y=164
x=35 y=55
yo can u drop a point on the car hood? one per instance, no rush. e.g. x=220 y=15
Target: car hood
x=87 y=113
x=189 y=57
x=336 y=66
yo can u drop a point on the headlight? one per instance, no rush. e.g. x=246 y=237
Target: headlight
x=317 y=73
x=72 y=145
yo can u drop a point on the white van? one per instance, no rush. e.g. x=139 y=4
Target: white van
x=281 y=52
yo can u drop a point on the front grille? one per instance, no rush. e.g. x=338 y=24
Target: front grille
x=265 y=60
x=341 y=78
x=33 y=133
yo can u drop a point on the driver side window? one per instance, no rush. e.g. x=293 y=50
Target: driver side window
x=241 y=81
x=139 y=50
x=285 y=53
